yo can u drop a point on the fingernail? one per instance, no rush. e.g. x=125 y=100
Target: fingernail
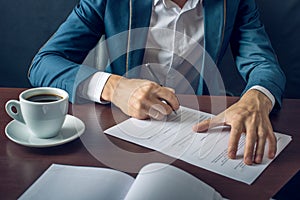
x=258 y=159
x=271 y=155
x=248 y=160
x=231 y=155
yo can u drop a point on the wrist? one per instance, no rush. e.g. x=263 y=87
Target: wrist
x=109 y=87
x=259 y=98
x=266 y=92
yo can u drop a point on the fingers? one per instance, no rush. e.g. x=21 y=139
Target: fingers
x=272 y=145
x=260 y=148
x=256 y=127
x=265 y=133
x=154 y=109
x=255 y=144
x=162 y=103
x=234 y=137
x=251 y=141
x=202 y=126
x=168 y=95
x=157 y=112
x=148 y=99
x=209 y=123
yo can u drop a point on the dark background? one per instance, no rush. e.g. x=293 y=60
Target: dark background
x=25 y=25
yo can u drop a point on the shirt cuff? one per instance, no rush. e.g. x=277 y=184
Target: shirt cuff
x=265 y=92
x=92 y=88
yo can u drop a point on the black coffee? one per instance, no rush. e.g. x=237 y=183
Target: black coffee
x=42 y=98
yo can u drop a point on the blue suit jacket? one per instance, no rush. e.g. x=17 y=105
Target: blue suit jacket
x=234 y=22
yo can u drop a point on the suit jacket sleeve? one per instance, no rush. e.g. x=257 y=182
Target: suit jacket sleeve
x=58 y=63
x=253 y=53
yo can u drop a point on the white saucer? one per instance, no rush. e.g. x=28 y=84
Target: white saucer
x=19 y=133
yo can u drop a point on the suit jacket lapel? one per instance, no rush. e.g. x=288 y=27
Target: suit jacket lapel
x=140 y=21
x=214 y=24
x=214 y=14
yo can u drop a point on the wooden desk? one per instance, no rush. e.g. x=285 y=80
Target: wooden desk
x=20 y=166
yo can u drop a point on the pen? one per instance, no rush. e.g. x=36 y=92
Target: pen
x=157 y=80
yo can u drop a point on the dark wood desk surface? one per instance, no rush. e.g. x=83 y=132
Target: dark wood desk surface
x=20 y=166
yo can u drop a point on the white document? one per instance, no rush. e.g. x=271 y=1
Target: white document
x=155 y=181
x=175 y=137
x=77 y=183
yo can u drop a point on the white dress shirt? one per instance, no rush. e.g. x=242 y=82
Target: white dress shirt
x=173 y=34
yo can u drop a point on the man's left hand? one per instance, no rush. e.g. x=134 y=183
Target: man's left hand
x=250 y=115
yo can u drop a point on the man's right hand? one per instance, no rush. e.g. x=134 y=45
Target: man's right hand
x=140 y=98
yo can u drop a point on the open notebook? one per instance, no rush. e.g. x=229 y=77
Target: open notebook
x=155 y=181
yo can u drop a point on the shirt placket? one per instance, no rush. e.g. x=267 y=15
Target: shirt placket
x=178 y=44
x=177 y=29
x=174 y=42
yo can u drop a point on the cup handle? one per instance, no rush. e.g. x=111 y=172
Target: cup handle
x=15 y=115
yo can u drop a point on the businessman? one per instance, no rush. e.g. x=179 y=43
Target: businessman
x=213 y=23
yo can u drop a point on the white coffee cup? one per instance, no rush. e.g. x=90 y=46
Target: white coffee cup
x=43 y=110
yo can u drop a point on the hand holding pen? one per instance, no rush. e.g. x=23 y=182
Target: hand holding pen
x=140 y=98
x=158 y=81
